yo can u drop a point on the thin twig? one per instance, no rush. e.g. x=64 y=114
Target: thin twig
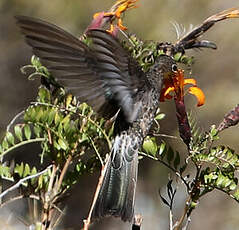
x=66 y=165
x=127 y=37
x=22 y=181
x=14 y=119
x=52 y=178
x=179 y=223
x=47 y=215
x=63 y=172
x=103 y=171
x=187 y=223
x=170 y=220
x=21 y=144
x=164 y=135
x=49 y=136
x=97 y=152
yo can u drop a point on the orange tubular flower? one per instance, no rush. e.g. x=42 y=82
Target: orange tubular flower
x=115 y=12
x=176 y=84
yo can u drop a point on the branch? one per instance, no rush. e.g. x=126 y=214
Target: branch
x=63 y=172
x=22 y=143
x=23 y=180
x=14 y=119
x=179 y=223
x=170 y=220
x=96 y=151
x=164 y=135
x=103 y=171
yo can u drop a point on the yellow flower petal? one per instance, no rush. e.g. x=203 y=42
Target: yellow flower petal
x=168 y=90
x=111 y=29
x=117 y=9
x=190 y=81
x=121 y=25
x=96 y=15
x=198 y=93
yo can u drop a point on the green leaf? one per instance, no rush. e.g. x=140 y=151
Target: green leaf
x=19 y=169
x=56 y=145
x=37 y=130
x=150 y=146
x=51 y=116
x=28 y=114
x=233 y=186
x=27 y=170
x=44 y=95
x=45 y=115
x=18 y=132
x=177 y=57
x=226 y=182
x=160 y=116
x=214 y=133
x=78 y=167
x=10 y=138
x=68 y=100
x=33 y=172
x=66 y=119
x=220 y=180
x=40 y=181
x=5 y=144
x=4 y=171
x=57 y=119
x=35 y=61
x=162 y=149
x=39 y=115
x=27 y=132
x=208 y=178
x=63 y=143
x=236 y=194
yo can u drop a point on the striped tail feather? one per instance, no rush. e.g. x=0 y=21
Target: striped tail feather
x=117 y=193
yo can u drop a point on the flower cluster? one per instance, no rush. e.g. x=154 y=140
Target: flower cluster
x=115 y=13
x=177 y=83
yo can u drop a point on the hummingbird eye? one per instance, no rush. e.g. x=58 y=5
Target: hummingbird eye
x=174 y=68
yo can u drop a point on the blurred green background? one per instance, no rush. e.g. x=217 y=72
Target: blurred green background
x=217 y=73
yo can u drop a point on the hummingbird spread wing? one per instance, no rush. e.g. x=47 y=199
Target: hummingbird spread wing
x=102 y=74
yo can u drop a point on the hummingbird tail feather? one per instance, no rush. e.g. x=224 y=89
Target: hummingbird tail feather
x=117 y=192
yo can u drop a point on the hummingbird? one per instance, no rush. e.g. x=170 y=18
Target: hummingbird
x=105 y=76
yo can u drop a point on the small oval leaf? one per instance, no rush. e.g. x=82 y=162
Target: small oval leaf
x=63 y=144
x=10 y=138
x=27 y=132
x=18 y=132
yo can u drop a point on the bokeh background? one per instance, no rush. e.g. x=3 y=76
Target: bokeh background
x=217 y=73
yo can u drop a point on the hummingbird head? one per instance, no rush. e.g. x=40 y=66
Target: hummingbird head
x=165 y=67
